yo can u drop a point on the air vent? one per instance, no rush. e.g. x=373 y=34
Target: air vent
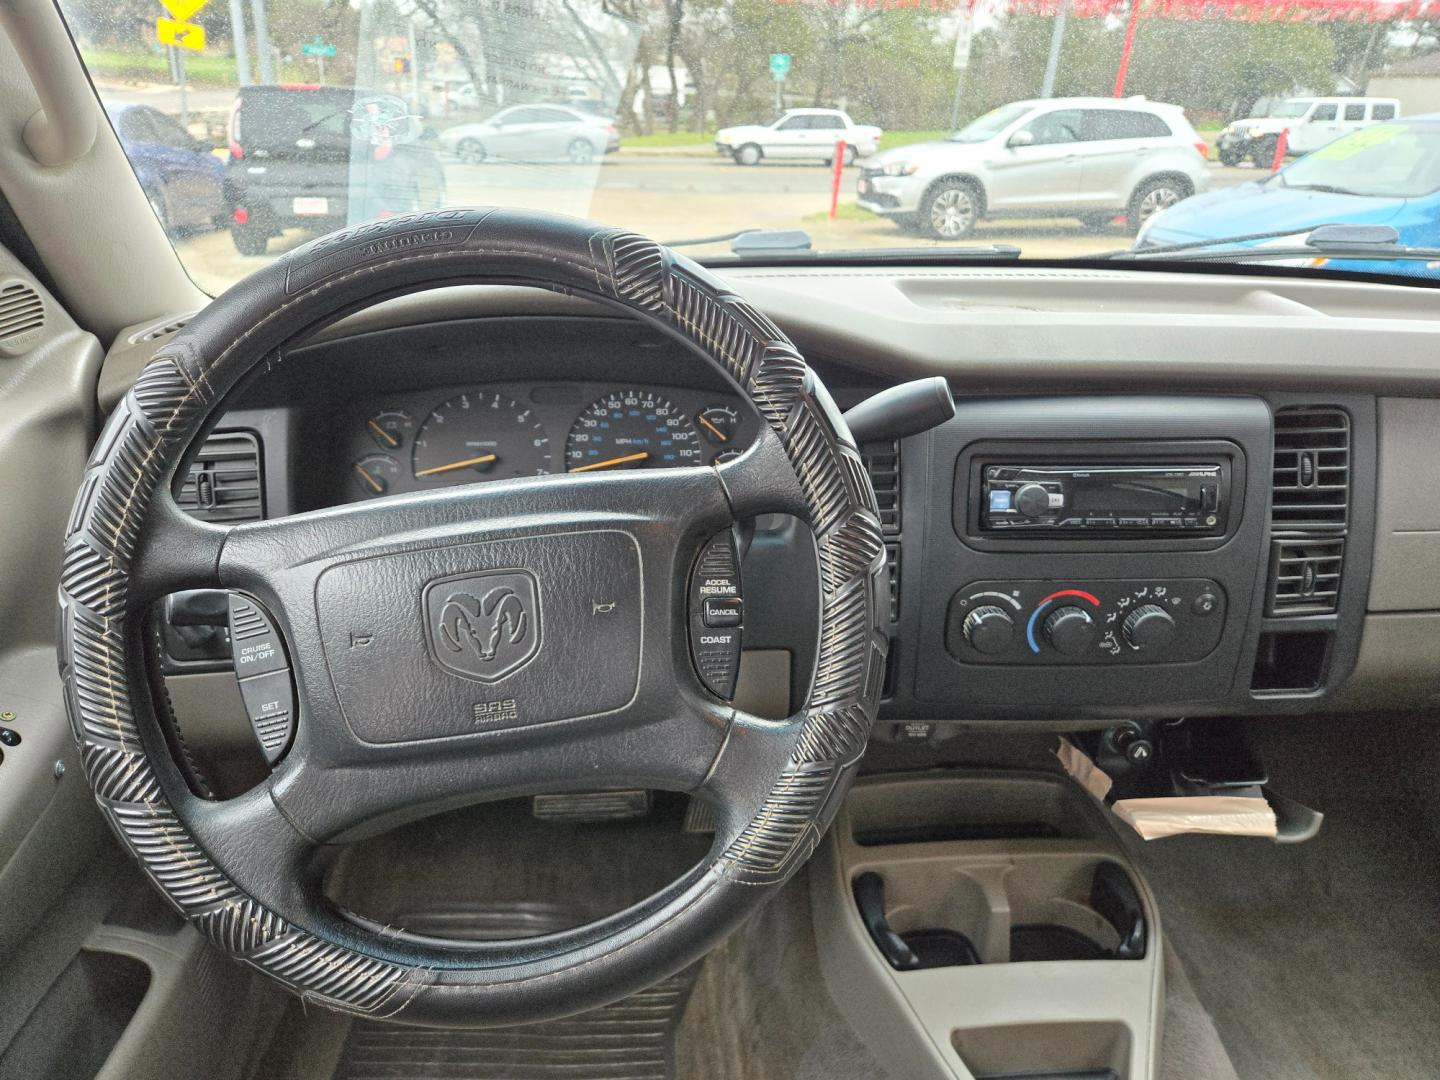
x=882 y=462
x=1305 y=576
x=223 y=484
x=22 y=315
x=1311 y=470
x=159 y=330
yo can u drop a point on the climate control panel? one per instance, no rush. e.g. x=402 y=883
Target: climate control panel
x=1130 y=621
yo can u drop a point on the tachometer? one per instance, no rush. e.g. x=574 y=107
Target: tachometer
x=480 y=436
x=631 y=429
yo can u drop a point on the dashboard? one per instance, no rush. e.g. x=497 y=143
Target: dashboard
x=1069 y=550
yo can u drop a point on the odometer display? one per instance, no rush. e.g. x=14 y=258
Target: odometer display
x=480 y=436
x=632 y=429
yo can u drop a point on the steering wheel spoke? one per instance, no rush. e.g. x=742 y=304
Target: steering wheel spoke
x=176 y=552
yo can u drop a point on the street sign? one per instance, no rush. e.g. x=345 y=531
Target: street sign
x=780 y=65
x=182 y=10
x=180 y=34
x=964 y=38
x=317 y=48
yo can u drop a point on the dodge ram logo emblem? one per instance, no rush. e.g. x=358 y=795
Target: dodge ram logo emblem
x=484 y=626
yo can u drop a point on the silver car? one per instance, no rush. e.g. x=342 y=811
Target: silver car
x=1091 y=158
x=533 y=133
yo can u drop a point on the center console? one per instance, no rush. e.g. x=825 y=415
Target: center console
x=987 y=924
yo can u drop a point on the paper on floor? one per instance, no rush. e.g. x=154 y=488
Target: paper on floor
x=1229 y=815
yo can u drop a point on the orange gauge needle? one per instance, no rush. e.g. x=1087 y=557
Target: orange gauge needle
x=389 y=439
x=713 y=429
x=640 y=455
x=365 y=475
x=437 y=469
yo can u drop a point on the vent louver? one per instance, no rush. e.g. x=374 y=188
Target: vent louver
x=159 y=330
x=223 y=484
x=882 y=462
x=22 y=315
x=1309 y=510
x=1312 y=469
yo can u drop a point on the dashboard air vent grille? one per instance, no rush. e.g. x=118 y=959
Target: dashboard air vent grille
x=892 y=574
x=223 y=484
x=159 y=330
x=1305 y=576
x=1312 y=469
x=882 y=462
x=22 y=312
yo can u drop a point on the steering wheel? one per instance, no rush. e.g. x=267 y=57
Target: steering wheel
x=388 y=723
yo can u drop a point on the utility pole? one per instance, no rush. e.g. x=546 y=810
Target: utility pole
x=242 y=46
x=1052 y=63
x=262 y=42
x=964 y=38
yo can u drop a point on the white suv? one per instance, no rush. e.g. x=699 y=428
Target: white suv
x=1091 y=158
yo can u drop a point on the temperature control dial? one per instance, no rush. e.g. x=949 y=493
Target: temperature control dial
x=1149 y=626
x=988 y=629
x=1070 y=630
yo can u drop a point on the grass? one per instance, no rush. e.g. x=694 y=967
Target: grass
x=200 y=70
x=846 y=211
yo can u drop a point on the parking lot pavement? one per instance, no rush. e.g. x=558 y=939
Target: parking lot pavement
x=679 y=198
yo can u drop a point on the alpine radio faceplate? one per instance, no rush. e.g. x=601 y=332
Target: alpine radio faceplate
x=1151 y=498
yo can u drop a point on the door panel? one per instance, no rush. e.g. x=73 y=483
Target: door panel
x=1043 y=174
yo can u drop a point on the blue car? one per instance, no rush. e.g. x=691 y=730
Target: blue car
x=180 y=175
x=1384 y=175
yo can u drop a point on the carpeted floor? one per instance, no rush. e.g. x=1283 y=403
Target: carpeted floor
x=1320 y=960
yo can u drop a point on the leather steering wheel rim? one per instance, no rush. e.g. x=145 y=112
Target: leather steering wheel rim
x=236 y=869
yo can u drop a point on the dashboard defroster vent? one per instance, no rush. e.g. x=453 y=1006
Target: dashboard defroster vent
x=1312 y=470
x=223 y=483
x=1309 y=510
x=169 y=326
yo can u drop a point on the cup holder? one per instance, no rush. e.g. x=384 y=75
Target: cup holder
x=1050 y=907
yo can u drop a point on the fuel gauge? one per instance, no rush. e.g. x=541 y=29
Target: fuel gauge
x=390 y=429
x=375 y=474
x=719 y=423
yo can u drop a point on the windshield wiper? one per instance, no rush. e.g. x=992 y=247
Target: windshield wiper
x=1328 y=189
x=1378 y=242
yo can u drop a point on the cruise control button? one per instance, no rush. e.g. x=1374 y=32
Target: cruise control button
x=270 y=704
x=724 y=611
x=254 y=641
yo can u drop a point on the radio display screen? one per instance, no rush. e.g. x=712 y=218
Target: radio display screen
x=1150 y=497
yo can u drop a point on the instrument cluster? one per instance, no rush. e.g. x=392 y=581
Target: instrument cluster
x=412 y=441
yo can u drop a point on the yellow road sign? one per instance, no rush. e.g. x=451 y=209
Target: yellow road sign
x=185 y=35
x=181 y=10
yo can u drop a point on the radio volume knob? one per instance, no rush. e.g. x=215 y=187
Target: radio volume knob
x=988 y=629
x=1149 y=626
x=1032 y=500
x=1070 y=630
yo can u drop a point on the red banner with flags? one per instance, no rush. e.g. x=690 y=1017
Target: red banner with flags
x=1248 y=10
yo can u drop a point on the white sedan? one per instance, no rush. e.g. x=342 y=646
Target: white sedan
x=799 y=135
x=533 y=133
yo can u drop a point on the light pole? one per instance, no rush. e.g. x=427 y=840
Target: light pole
x=242 y=46
x=262 y=42
x=1052 y=62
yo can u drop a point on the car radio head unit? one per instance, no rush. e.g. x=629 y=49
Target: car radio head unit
x=1161 y=497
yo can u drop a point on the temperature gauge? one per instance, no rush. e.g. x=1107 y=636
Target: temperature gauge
x=390 y=429
x=375 y=474
x=719 y=423
x=726 y=455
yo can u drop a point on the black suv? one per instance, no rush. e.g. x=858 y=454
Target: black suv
x=321 y=157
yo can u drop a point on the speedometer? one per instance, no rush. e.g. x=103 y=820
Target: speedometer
x=632 y=429
x=480 y=436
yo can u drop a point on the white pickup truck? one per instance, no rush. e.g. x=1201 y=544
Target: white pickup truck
x=799 y=135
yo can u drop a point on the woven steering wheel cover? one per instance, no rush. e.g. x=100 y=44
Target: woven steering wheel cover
x=107 y=696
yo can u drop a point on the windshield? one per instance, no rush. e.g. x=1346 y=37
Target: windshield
x=768 y=129
x=1387 y=161
x=991 y=124
x=1290 y=109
